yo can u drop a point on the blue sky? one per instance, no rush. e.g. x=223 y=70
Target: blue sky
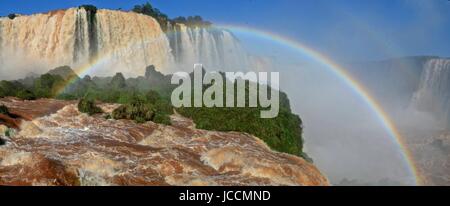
x=343 y=29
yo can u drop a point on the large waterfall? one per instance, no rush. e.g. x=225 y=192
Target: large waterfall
x=216 y=49
x=433 y=94
x=99 y=41
x=103 y=42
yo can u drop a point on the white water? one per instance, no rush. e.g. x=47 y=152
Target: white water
x=433 y=94
x=216 y=49
x=124 y=42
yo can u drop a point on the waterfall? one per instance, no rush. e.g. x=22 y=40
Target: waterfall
x=111 y=41
x=433 y=94
x=215 y=48
x=103 y=42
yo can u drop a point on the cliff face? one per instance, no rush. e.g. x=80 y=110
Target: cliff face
x=56 y=145
x=111 y=41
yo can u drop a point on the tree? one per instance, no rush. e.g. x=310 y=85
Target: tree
x=150 y=71
x=149 y=10
x=7 y=88
x=180 y=19
x=89 y=8
x=12 y=16
x=47 y=85
x=26 y=94
x=118 y=81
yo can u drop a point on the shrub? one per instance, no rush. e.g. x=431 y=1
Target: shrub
x=88 y=107
x=138 y=111
x=152 y=96
x=4 y=110
x=162 y=119
x=10 y=132
x=107 y=116
x=26 y=95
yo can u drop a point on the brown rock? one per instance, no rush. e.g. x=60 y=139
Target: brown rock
x=70 y=148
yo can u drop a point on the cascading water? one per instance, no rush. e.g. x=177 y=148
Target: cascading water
x=433 y=94
x=112 y=41
x=103 y=42
x=215 y=48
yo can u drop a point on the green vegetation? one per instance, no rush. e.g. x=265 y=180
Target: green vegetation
x=4 y=110
x=147 y=98
x=26 y=94
x=88 y=107
x=164 y=21
x=9 y=88
x=148 y=9
x=48 y=85
x=118 y=82
x=89 y=8
x=192 y=21
x=138 y=111
x=282 y=133
x=12 y=16
x=143 y=108
x=9 y=132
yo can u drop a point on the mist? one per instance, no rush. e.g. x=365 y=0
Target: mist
x=343 y=135
x=16 y=66
x=341 y=132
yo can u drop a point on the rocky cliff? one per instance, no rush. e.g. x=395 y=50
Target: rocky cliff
x=54 y=144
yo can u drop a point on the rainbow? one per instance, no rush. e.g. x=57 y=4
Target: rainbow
x=97 y=61
x=352 y=83
x=336 y=69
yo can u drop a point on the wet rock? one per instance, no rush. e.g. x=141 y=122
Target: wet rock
x=3 y=129
x=65 y=147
